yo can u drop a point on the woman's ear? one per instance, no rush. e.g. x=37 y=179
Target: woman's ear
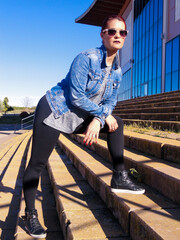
x=101 y=34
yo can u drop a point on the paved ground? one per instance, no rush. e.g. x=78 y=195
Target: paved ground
x=8 y=131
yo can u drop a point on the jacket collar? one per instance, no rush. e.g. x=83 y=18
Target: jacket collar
x=115 y=65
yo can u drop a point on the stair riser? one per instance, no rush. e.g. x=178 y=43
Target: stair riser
x=145 y=105
x=139 y=229
x=152 y=177
x=159 y=150
x=147 y=110
x=143 y=116
x=156 y=149
x=153 y=98
x=150 y=103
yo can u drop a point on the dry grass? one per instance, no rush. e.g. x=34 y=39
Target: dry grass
x=153 y=132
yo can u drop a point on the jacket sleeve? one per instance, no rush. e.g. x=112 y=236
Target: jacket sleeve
x=78 y=81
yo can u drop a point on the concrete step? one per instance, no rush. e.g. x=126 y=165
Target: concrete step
x=146 y=216
x=140 y=101
x=83 y=215
x=47 y=214
x=151 y=116
x=148 y=105
x=155 y=124
x=46 y=207
x=164 y=109
x=170 y=96
x=163 y=148
x=5 y=145
x=158 y=174
x=12 y=164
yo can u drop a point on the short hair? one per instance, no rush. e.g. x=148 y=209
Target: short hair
x=107 y=19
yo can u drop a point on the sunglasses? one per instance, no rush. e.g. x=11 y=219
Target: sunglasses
x=112 y=32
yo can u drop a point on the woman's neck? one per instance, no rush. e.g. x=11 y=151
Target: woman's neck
x=110 y=58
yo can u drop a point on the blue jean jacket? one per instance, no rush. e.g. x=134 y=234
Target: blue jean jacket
x=84 y=80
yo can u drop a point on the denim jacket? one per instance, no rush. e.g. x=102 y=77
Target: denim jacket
x=83 y=81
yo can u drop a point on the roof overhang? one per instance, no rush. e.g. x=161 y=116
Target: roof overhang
x=100 y=9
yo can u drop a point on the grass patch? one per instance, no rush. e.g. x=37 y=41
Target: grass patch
x=153 y=132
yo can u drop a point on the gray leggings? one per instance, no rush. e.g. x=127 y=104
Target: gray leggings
x=44 y=140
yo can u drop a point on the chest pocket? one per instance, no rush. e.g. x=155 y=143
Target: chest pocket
x=116 y=84
x=94 y=81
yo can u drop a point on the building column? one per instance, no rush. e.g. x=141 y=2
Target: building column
x=164 y=37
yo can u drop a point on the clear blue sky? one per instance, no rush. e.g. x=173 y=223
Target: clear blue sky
x=38 y=41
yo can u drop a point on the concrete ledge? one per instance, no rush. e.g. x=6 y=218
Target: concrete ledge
x=167 y=149
x=169 y=96
x=98 y=174
x=140 y=221
x=166 y=103
x=12 y=165
x=151 y=116
x=162 y=176
x=82 y=213
x=159 y=110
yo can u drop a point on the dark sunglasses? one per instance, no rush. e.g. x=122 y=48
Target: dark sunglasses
x=112 y=32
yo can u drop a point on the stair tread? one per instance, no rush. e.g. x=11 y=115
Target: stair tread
x=132 y=203
x=152 y=98
x=11 y=172
x=77 y=200
x=150 y=113
x=146 y=120
x=146 y=104
x=158 y=164
x=7 y=144
x=161 y=140
x=146 y=108
x=159 y=174
x=46 y=208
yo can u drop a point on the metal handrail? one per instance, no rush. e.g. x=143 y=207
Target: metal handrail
x=27 y=124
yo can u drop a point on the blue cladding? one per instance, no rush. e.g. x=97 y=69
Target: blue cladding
x=147 y=49
x=172 y=67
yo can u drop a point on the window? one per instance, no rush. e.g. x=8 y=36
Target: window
x=125 y=87
x=147 y=47
x=172 y=67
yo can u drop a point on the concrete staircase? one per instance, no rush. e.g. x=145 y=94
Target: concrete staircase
x=74 y=200
x=160 y=111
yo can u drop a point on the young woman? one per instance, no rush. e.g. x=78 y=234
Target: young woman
x=81 y=103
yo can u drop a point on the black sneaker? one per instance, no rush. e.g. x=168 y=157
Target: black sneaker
x=122 y=183
x=32 y=224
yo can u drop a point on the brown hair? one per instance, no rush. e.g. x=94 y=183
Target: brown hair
x=104 y=24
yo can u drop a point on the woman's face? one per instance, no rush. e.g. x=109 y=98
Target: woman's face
x=113 y=43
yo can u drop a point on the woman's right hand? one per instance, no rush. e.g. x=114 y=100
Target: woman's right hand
x=92 y=132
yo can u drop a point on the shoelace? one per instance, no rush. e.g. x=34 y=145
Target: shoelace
x=127 y=179
x=35 y=223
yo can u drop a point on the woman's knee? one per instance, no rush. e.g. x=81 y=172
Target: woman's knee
x=119 y=121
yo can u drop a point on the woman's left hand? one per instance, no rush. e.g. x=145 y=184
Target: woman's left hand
x=92 y=132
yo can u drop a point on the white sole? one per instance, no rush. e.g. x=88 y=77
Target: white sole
x=36 y=236
x=126 y=191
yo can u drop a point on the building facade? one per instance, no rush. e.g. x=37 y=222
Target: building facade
x=150 y=58
x=154 y=66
